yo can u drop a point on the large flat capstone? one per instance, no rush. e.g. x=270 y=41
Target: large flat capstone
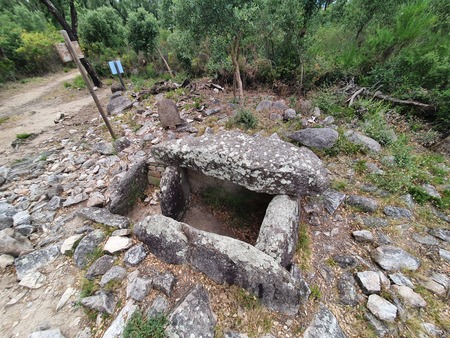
x=260 y=164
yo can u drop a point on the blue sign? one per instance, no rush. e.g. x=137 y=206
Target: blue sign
x=114 y=66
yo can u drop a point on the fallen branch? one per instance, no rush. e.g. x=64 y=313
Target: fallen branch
x=355 y=95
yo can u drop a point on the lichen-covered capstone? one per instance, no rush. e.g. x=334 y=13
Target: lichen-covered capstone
x=260 y=164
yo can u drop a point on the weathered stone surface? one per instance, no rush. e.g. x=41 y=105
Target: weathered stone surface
x=445 y=254
x=103 y=216
x=332 y=199
x=6 y=260
x=369 y=281
x=278 y=234
x=33 y=280
x=347 y=290
x=175 y=192
x=434 y=286
x=117 y=243
x=69 y=243
x=65 y=297
x=392 y=258
x=345 y=261
x=101 y=302
x=86 y=247
x=425 y=239
x=13 y=243
x=116 y=328
x=193 y=317
x=135 y=255
x=129 y=189
x=121 y=144
x=138 y=288
x=116 y=87
x=35 y=260
x=396 y=212
x=5 y=222
x=164 y=282
x=159 y=306
x=443 y=234
x=258 y=163
x=116 y=273
x=164 y=238
x=432 y=330
x=304 y=289
x=375 y=222
x=409 y=297
x=363 y=236
x=441 y=279
x=54 y=204
x=117 y=104
x=289 y=114
x=227 y=260
x=362 y=203
x=52 y=333
x=104 y=148
x=431 y=191
x=380 y=327
x=21 y=218
x=320 y=138
x=96 y=199
x=381 y=308
x=100 y=266
x=366 y=142
x=168 y=113
x=264 y=105
x=400 y=279
x=324 y=325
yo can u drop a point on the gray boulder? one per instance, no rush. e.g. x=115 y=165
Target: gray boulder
x=381 y=308
x=258 y=163
x=104 y=216
x=443 y=234
x=392 y=258
x=118 y=103
x=102 y=302
x=164 y=282
x=362 y=203
x=347 y=289
x=100 y=266
x=164 y=238
x=21 y=218
x=13 y=243
x=332 y=199
x=289 y=114
x=320 y=138
x=278 y=234
x=396 y=212
x=135 y=255
x=104 y=148
x=369 y=281
x=115 y=274
x=375 y=222
x=175 y=192
x=126 y=192
x=365 y=142
x=86 y=247
x=116 y=328
x=168 y=114
x=159 y=306
x=35 y=260
x=193 y=317
x=362 y=236
x=324 y=325
x=138 y=288
x=264 y=105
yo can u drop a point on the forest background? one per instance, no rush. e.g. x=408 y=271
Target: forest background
x=400 y=47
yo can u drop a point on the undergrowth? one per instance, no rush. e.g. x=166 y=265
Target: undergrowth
x=140 y=327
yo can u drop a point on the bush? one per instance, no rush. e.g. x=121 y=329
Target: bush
x=142 y=31
x=244 y=118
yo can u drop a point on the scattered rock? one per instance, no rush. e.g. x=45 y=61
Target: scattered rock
x=103 y=216
x=443 y=234
x=96 y=199
x=33 y=280
x=159 y=306
x=324 y=325
x=168 y=113
x=135 y=255
x=101 y=302
x=392 y=258
x=425 y=239
x=264 y=105
x=53 y=333
x=431 y=191
x=375 y=222
x=164 y=282
x=320 y=138
x=121 y=144
x=35 y=260
x=116 y=328
x=86 y=247
x=380 y=327
x=362 y=203
x=116 y=87
x=13 y=243
x=193 y=317
x=118 y=103
x=396 y=212
x=445 y=254
x=138 y=288
x=332 y=200
x=6 y=260
x=434 y=287
x=347 y=290
x=369 y=281
x=381 y=308
x=116 y=273
x=21 y=218
x=72 y=200
x=117 y=243
x=362 y=140
x=100 y=266
x=104 y=148
x=363 y=236
x=175 y=192
x=400 y=279
x=64 y=298
x=345 y=261
x=289 y=114
x=410 y=297
x=433 y=330
x=69 y=243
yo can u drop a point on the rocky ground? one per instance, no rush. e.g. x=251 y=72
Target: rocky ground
x=376 y=260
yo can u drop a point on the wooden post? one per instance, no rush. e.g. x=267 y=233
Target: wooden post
x=119 y=75
x=86 y=80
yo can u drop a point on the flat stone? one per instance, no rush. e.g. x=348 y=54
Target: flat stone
x=33 y=280
x=5 y=222
x=159 y=306
x=381 y=308
x=396 y=212
x=118 y=104
x=65 y=297
x=101 y=302
x=445 y=254
x=54 y=204
x=100 y=266
x=443 y=234
x=380 y=327
x=126 y=192
x=52 y=333
x=21 y=218
x=164 y=282
x=104 y=216
x=233 y=334
x=193 y=317
x=369 y=281
x=362 y=203
x=122 y=232
x=345 y=261
x=375 y=222
x=86 y=247
x=35 y=260
x=392 y=258
x=96 y=199
x=347 y=290
x=431 y=191
x=69 y=243
x=117 y=243
x=135 y=255
x=366 y=142
x=432 y=330
x=289 y=114
x=175 y=192
x=324 y=325
x=363 y=236
x=264 y=105
x=115 y=330
x=434 y=287
x=399 y=279
x=278 y=234
x=320 y=138
x=104 y=148
x=410 y=297
x=116 y=273
x=260 y=164
x=441 y=279
x=138 y=288
x=332 y=200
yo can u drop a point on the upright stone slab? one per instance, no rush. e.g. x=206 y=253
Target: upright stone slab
x=175 y=192
x=168 y=114
x=278 y=234
x=260 y=164
x=129 y=189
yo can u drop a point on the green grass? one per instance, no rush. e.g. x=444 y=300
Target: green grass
x=140 y=327
x=23 y=136
x=343 y=146
x=243 y=118
x=315 y=292
x=304 y=246
x=3 y=119
x=88 y=287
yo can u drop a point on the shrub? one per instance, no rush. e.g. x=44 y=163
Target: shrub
x=142 y=31
x=244 y=118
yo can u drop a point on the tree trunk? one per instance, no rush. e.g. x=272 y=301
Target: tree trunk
x=73 y=35
x=237 y=71
x=165 y=62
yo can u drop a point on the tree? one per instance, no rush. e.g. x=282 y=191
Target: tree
x=142 y=31
x=72 y=31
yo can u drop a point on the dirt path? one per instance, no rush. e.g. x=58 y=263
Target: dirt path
x=32 y=108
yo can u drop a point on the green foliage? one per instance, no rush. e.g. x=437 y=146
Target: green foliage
x=88 y=287
x=244 y=118
x=23 y=136
x=142 y=31
x=315 y=292
x=103 y=26
x=139 y=327
x=77 y=83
